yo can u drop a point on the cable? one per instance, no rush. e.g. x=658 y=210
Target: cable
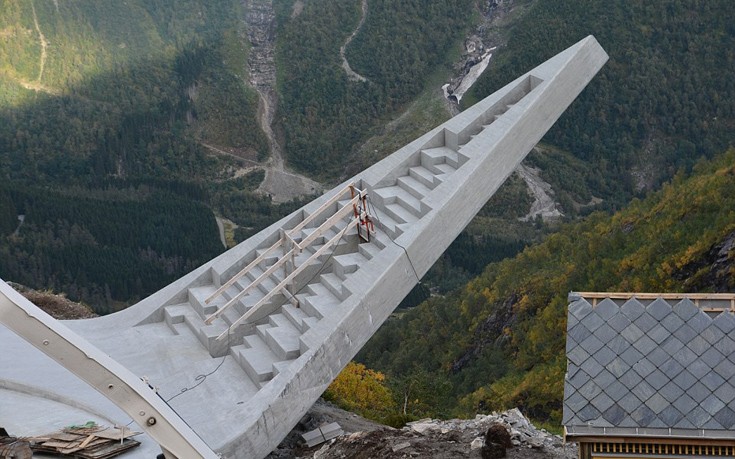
x=201 y=377
x=375 y=213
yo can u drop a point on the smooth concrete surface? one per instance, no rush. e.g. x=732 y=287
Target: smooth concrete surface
x=265 y=374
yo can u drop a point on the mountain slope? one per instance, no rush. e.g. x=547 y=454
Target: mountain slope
x=663 y=100
x=500 y=340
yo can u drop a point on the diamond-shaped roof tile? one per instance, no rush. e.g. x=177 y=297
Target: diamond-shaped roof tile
x=645 y=345
x=658 y=356
x=699 y=321
x=643 y=415
x=629 y=402
x=579 y=379
x=571 y=322
x=712 y=424
x=602 y=402
x=685 y=309
x=632 y=309
x=566 y=417
x=685 y=380
x=606 y=309
x=726 y=345
x=685 y=356
x=618 y=322
x=643 y=367
x=604 y=356
x=592 y=344
x=618 y=345
x=698 y=368
x=698 y=345
x=632 y=333
x=658 y=333
x=685 y=333
x=588 y=413
x=592 y=321
x=712 y=404
x=604 y=379
x=580 y=308
x=631 y=356
x=631 y=379
x=671 y=392
x=605 y=333
x=578 y=355
x=671 y=368
x=657 y=379
x=725 y=321
x=578 y=333
x=576 y=402
x=659 y=308
x=712 y=357
x=672 y=345
x=670 y=416
x=698 y=417
x=672 y=322
x=726 y=417
x=712 y=380
x=699 y=392
x=684 y=403
x=657 y=403
x=617 y=367
x=726 y=392
x=684 y=423
x=616 y=390
x=592 y=367
x=644 y=391
x=614 y=414
x=645 y=322
x=590 y=390
x=712 y=335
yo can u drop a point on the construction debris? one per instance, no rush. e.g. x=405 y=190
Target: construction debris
x=323 y=433
x=89 y=441
x=13 y=447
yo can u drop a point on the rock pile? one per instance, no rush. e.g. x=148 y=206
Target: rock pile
x=433 y=438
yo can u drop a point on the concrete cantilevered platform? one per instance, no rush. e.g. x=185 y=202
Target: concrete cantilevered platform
x=240 y=348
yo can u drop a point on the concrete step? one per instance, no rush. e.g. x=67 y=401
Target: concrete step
x=282 y=337
x=244 y=303
x=424 y=176
x=396 y=194
x=369 y=249
x=444 y=168
x=295 y=315
x=174 y=314
x=348 y=263
x=399 y=213
x=385 y=222
x=257 y=359
x=413 y=186
x=321 y=301
x=334 y=284
x=197 y=295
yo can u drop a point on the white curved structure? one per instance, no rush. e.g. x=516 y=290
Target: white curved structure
x=288 y=308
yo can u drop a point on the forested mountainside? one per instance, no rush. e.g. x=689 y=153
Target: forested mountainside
x=664 y=99
x=499 y=341
x=145 y=109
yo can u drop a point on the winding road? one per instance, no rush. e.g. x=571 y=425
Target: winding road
x=351 y=74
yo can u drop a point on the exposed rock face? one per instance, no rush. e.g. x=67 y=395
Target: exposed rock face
x=714 y=271
x=511 y=433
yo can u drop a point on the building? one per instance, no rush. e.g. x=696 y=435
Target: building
x=650 y=375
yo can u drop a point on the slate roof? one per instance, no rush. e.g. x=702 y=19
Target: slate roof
x=651 y=364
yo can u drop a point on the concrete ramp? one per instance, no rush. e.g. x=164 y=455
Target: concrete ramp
x=240 y=348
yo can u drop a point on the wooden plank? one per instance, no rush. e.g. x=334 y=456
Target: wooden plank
x=653 y=296
x=288 y=279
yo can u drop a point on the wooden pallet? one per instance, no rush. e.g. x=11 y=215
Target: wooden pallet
x=97 y=442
